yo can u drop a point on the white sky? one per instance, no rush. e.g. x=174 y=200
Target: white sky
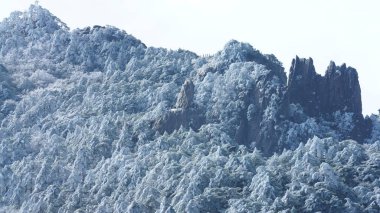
x=340 y=30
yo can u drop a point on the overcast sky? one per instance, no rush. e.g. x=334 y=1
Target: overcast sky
x=339 y=30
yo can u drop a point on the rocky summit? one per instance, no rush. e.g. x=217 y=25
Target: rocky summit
x=93 y=120
x=322 y=96
x=338 y=90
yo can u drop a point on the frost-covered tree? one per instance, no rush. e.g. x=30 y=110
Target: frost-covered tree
x=78 y=110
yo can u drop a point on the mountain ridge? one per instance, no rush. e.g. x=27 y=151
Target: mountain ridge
x=102 y=47
x=93 y=120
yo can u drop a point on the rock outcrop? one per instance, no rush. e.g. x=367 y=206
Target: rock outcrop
x=186 y=96
x=339 y=89
x=304 y=85
x=185 y=113
x=342 y=90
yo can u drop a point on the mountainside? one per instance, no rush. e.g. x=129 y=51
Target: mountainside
x=93 y=120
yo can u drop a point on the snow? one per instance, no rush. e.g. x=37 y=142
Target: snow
x=376 y=128
x=76 y=113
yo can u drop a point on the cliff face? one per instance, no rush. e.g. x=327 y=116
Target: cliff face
x=304 y=85
x=322 y=96
x=338 y=90
x=341 y=90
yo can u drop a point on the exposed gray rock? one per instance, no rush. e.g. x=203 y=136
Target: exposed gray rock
x=185 y=113
x=339 y=89
x=304 y=84
x=186 y=96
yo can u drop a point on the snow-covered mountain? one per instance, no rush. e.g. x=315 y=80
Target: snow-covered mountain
x=93 y=120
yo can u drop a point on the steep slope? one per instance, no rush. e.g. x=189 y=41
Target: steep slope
x=93 y=120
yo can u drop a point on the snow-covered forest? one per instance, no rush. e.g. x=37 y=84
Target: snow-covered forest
x=93 y=120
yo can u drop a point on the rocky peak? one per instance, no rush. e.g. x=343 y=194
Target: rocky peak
x=185 y=112
x=342 y=89
x=303 y=67
x=339 y=89
x=304 y=84
x=186 y=95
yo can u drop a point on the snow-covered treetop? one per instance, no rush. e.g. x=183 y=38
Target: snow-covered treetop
x=92 y=120
x=34 y=17
x=235 y=51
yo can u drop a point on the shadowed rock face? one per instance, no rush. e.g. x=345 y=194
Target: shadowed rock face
x=339 y=89
x=304 y=84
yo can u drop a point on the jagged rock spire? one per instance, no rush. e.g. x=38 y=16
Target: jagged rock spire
x=342 y=89
x=339 y=89
x=185 y=113
x=303 y=86
x=185 y=97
